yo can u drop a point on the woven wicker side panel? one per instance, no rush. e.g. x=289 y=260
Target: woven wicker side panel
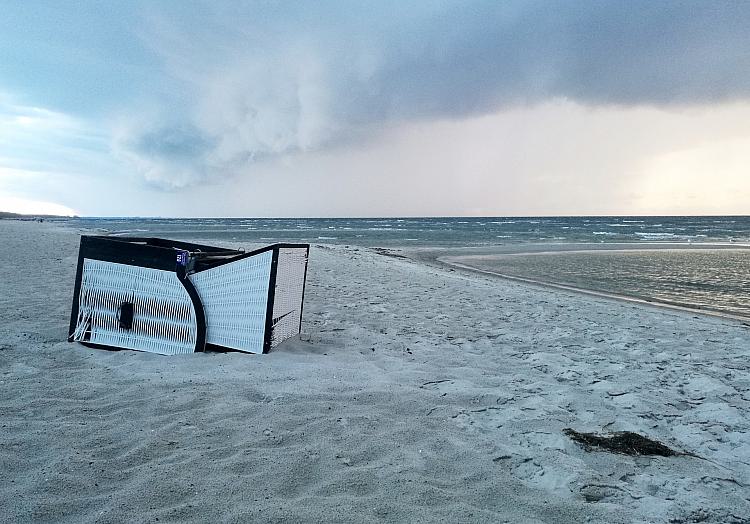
x=290 y=285
x=234 y=298
x=163 y=315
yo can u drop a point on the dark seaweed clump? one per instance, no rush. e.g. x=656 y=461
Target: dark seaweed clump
x=625 y=442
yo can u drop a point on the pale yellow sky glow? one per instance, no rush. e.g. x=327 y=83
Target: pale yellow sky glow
x=712 y=177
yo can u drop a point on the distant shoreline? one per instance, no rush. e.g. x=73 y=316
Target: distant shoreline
x=450 y=260
x=602 y=294
x=7 y=215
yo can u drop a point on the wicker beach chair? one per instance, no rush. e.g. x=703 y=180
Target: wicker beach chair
x=170 y=297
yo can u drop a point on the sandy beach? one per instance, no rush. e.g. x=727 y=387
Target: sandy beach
x=416 y=393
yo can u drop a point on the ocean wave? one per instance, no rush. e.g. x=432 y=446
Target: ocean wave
x=124 y=232
x=655 y=235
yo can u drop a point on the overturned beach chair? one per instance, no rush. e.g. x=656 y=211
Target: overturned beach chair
x=169 y=297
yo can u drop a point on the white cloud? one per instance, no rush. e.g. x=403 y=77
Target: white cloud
x=243 y=113
x=47 y=157
x=33 y=207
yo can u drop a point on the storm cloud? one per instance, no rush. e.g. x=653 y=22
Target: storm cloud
x=192 y=92
x=270 y=79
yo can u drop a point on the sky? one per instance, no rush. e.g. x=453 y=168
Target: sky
x=379 y=108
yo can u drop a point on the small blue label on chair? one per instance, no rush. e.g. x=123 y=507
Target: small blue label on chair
x=182 y=258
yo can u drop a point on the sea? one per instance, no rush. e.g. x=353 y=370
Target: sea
x=701 y=263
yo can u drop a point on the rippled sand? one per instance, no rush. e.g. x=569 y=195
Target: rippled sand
x=415 y=394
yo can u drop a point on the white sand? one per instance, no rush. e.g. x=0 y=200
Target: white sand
x=414 y=394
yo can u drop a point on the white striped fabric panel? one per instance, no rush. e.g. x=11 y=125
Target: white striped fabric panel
x=234 y=297
x=163 y=316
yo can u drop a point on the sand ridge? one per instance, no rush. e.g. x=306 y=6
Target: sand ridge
x=415 y=393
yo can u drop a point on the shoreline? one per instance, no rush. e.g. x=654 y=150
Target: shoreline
x=437 y=256
x=440 y=257
x=601 y=294
x=520 y=250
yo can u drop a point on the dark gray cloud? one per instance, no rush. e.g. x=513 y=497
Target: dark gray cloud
x=474 y=57
x=268 y=79
x=175 y=143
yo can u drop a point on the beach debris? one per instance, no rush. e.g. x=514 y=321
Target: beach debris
x=433 y=382
x=617 y=393
x=624 y=442
x=387 y=253
x=172 y=298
